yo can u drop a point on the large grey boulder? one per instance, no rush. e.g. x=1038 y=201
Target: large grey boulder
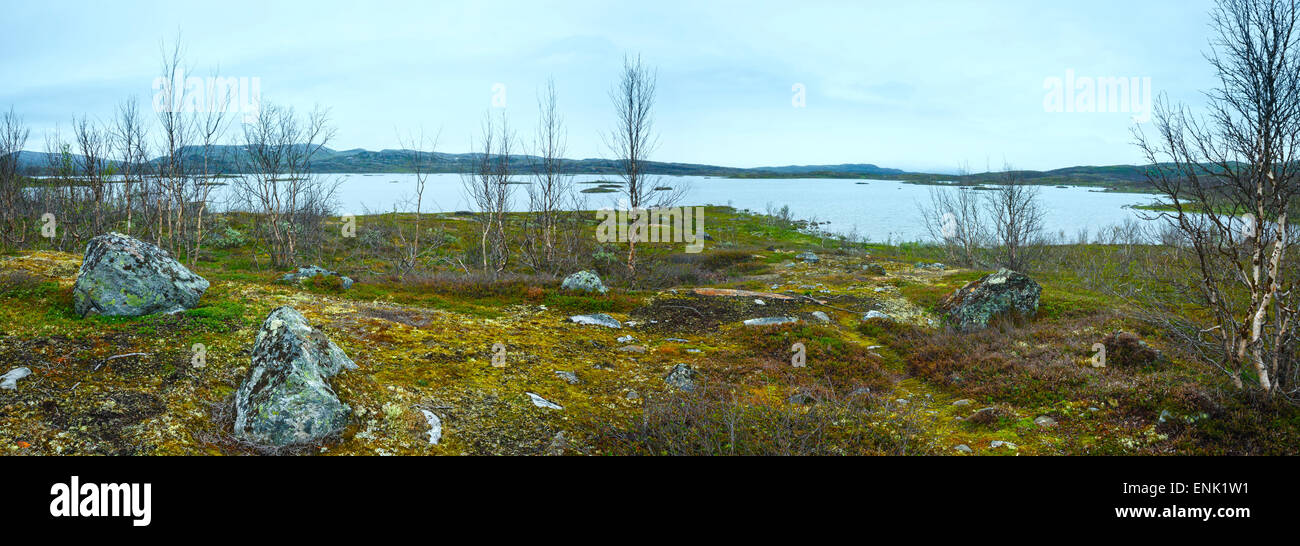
x=1002 y=294
x=124 y=276
x=304 y=273
x=584 y=281
x=285 y=399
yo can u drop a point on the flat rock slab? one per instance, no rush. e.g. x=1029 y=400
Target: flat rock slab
x=726 y=292
x=771 y=321
x=598 y=319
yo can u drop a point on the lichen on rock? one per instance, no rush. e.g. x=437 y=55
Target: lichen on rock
x=286 y=399
x=124 y=276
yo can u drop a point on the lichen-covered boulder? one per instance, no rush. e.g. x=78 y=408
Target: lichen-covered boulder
x=286 y=399
x=124 y=276
x=682 y=377
x=584 y=281
x=1003 y=294
x=305 y=273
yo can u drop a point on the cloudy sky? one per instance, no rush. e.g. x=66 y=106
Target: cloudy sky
x=918 y=85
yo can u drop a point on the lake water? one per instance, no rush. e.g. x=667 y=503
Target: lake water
x=878 y=210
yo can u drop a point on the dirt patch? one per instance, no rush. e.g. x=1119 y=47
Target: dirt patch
x=693 y=313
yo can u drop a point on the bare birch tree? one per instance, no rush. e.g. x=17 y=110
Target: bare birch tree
x=552 y=183
x=1229 y=179
x=488 y=188
x=634 y=138
x=13 y=138
x=278 y=184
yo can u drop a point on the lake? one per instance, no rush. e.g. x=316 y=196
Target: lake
x=878 y=210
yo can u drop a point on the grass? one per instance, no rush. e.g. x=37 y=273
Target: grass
x=425 y=339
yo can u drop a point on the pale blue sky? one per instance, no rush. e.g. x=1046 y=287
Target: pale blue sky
x=918 y=85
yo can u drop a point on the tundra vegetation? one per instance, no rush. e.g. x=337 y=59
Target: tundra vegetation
x=1167 y=336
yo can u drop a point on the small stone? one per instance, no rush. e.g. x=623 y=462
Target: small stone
x=682 y=377
x=559 y=444
x=598 y=319
x=9 y=381
x=568 y=377
x=821 y=317
x=626 y=339
x=964 y=449
x=876 y=315
x=771 y=321
x=637 y=349
x=632 y=395
x=801 y=399
x=759 y=302
x=999 y=443
x=435 y=427
x=542 y=402
x=809 y=257
x=1045 y=421
x=963 y=402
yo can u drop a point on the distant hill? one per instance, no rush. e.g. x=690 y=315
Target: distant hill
x=229 y=159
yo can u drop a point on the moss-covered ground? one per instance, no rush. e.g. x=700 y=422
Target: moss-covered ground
x=906 y=386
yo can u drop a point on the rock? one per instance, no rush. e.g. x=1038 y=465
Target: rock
x=598 y=319
x=632 y=395
x=304 y=273
x=542 y=402
x=987 y=416
x=1127 y=350
x=638 y=349
x=677 y=340
x=964 y=449
x=771 y=321
x=809 y=257
x=821 y=317
x=1002 y=294
x=875 y=269
x=584 y=281
x=285 y=399
x=876 y=315
x=801 y=399
x=760 y=302
x=682 y=377
x=126 y=277
x=9 y=381
x=963 y=402
x=568 y=377
x=435 y=427
x=626 y=339
x=1045 y=421
x=559 y=444
x=999 y=443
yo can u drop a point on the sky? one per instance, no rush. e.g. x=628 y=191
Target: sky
x=921 y=85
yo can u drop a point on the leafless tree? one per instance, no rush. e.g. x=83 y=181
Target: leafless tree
x=955 y=217
x=488 y=187
x=13 y=138
x=1016 y=219
x=551 y=186
x=633 y=140
x=278 y=183
x=93 y=144
x=1230 y=179
x=129 y=142
x=421 y=162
